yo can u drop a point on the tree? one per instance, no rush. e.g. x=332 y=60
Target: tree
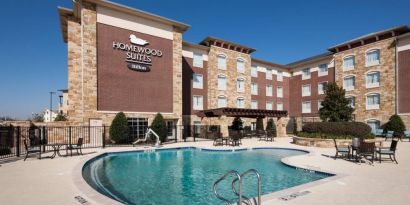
x=119 y=130
x=60 y=117
x=237 y=124
x=259 y=123
x=159 y=126
x=335 y=107
x=395 y=124
x=37 y=117
x=270 y=125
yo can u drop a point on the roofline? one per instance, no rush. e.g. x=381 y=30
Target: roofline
x=194 y=45
x=311 y=59
x=229 y=42
x=269 y=63
x=123 y=8
x=64 y=13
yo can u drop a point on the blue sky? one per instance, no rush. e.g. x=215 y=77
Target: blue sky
x=34 y=56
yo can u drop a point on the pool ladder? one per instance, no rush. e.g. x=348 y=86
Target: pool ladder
x=238 y=178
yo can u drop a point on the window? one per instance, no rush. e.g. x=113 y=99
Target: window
x=306 y=107
x=323 y=70
x=305 y=90
x=348 y=63
x=240 y=85
x=269 y=90
x=197 y=127
x=269 y=105
x=279 y=76
x=254 y=71
x=279 y=106
x=319 y=104
x=254 y=104
x=279 y=93
x=306 y=73
x=240 y=103
x=352 y=101
x=240 y=65
x=268 y=74
x=221 y=82
x=321 y=88
x=372 y=101
x=137 y=127
x=373 y=79
x=221 y=101
x=373 y=57
x=197 y=81
x=254 y=88
x=253 y=125
x=198 y=103
x=374 y=124
x=198 y=60
x=221 y=62
x=349 y=83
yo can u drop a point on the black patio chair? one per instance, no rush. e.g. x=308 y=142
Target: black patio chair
x=261 y=134
x=217 y=138
x=270 y=135
x=366 y=149
x=344 y=151
x=32 y=150
x=234 y=138
x=391 y=151
x=76 y=147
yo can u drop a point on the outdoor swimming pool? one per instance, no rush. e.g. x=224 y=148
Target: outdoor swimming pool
x=186 y=175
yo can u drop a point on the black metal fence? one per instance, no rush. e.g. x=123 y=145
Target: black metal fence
x=194 y=132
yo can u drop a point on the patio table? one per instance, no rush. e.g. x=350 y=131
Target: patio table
x=56 y=149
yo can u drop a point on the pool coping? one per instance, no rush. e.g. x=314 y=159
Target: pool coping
x=99 y=198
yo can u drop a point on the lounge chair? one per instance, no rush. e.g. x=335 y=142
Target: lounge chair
x=366 y=149
x=76 y=147
x=391 y=151
x=342 y=150
x=389 y=134
x=407 y=134
x=32 y=150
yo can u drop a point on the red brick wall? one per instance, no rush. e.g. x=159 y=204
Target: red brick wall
x=404 y=82
x=187 y=90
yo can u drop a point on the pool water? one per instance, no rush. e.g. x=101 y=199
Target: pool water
x=186 y=176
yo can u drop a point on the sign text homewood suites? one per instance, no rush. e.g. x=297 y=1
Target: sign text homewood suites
x=138 y=56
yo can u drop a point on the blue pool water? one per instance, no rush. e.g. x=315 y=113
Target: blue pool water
x=186 y=176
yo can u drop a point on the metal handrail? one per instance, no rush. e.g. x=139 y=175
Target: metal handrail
x=238 y=178
x=259 y=184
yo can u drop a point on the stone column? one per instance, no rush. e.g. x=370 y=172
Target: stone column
x=281 y=126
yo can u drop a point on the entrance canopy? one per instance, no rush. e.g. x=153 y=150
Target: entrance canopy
x=241 y=112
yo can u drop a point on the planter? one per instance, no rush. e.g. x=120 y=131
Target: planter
x=328 y=143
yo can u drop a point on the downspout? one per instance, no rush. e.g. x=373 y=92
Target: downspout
x=82 y=57
x=396 y=70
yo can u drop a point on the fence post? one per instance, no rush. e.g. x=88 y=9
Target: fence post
x=103 y=137
x=176 y=133
x=69 y=139
x=43 y=138
x=18 y=142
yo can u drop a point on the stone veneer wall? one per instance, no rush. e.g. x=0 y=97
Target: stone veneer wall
x=387 y=88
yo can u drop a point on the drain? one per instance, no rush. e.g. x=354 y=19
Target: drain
x=81 y=200
x=294 y=195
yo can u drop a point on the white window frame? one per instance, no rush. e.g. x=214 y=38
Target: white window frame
x=240 y=65
x=254 y=89
x=349 y=88
x=198 y=60
x=221 y=66
x=279 y=94
x=269 y=87
x=221 y=86
x=373 y=107
x=321 y=92
x=354 y=101
x=199 y=85
x=238 y=100
x=254 y=104
x=306 y=74
x=349 y=67
x=279 y=76
x=270 y=107
x=221 y=97
x=375 y=62
x=310 y=107
x=310 y=90
x=279 y=106
x=254 y=71
x=372 y=85
x=196 y=105
x=268 y=74
x=240 y=85
x=321 y=73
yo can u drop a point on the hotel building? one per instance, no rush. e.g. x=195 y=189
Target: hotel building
x=124 y=59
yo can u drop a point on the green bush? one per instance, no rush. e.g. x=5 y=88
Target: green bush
x=355 y=129
x=323 y=135
x=395 y=124
x=237 y=124
x=119 y=130
x=270 y=125
x=335 y=106
x=5 y=151
x=159 y=126
x=60 y=117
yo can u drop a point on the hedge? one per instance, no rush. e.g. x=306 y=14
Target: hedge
x=323 y=135
x=354 y=129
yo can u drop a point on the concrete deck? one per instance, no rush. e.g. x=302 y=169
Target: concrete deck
x=53 y=181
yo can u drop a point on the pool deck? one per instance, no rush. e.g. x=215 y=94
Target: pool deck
x=54 y=181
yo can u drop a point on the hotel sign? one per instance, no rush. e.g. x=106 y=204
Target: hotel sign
x=138 y=57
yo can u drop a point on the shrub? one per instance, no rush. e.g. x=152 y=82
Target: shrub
x=60 y=117
x=259 y=123
x=237 y=124
x=159 y=126
x=335 y=107
x=119 y=130
x=270 y=125
x=5 y=151
x=355 y=129
x=323 y=135
x=395 y=124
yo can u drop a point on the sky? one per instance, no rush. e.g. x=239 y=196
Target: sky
x=33 y=55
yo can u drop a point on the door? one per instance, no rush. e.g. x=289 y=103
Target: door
x=171 y=129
